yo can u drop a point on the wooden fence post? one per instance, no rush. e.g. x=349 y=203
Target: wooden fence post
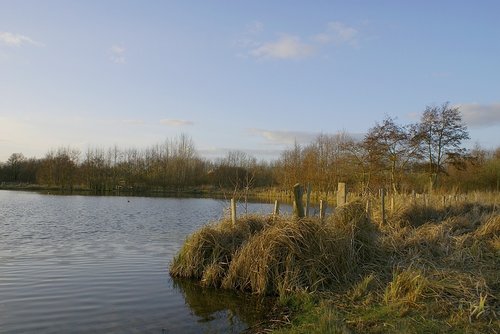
x=341 y=194
x=298 y=206
x=322 y=209
x=368 y=208
x=382 y=202
x=276 y=210
x=233 y=211
x=308 y=199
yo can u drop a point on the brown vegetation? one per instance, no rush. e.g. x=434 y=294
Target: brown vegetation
x=438 y=265
x=425 y=156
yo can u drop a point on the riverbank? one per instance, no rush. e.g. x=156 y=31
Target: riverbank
x=204 y=191
x=426 y=269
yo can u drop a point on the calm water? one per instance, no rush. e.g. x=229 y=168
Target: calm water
x=87 y=264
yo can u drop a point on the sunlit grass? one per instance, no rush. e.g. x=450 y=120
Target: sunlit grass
x=427 y=269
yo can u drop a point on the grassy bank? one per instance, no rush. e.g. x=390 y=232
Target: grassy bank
x=427 y=269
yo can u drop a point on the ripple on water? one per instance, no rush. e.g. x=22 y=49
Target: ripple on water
x=87 y=264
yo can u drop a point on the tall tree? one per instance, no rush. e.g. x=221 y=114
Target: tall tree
x=391 y=147
x=442 y=131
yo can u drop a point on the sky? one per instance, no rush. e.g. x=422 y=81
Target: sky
x=254 y=76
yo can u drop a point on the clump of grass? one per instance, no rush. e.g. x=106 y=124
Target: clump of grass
x=362 y=288
x=407 y=287
x=207 y=253
x=304 y=254
x=277 y=256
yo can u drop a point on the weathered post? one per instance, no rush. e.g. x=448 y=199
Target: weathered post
x=341 y=194
x=298 y=207
x=276 y=210
x=308 y=199
x=382 y=202
x=322 y=209
x=233 y=211
x=368 y=208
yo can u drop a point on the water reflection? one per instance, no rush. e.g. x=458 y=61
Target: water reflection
x=233 y=311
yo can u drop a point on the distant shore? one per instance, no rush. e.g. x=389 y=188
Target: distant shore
x=202 y=192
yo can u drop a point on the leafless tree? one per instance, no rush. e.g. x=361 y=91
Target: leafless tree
x=442 y=131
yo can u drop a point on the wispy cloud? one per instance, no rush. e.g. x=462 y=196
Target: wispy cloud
x=117 y=54
x=285 y=47
x=277 y=137
x=290 y=46
x=176 y=122
x=338 y=33
x=477 y=115
x=17 y=40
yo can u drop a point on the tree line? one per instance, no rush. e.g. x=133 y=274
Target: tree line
x=424 y=156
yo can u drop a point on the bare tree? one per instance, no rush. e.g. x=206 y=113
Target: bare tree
x=391 y=147
x=442 y=131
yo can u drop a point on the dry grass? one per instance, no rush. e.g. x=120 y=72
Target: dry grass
x=430 y=268
x=303 y=254
x=274 y=257
x=207 y=253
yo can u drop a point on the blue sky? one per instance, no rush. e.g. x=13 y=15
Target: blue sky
x=246 y=75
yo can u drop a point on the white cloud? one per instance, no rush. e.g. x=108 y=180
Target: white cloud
x=285 y=137
x=286 y=47
x=10 y=39
x=338 y=33
x=117 y=54
x=480 y=115
x=176 y=122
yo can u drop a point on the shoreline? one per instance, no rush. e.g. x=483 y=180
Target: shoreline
x=267 y=194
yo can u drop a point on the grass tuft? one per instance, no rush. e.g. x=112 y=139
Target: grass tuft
x=207 y=253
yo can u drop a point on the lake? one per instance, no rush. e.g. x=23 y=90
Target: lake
x=90 y=264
